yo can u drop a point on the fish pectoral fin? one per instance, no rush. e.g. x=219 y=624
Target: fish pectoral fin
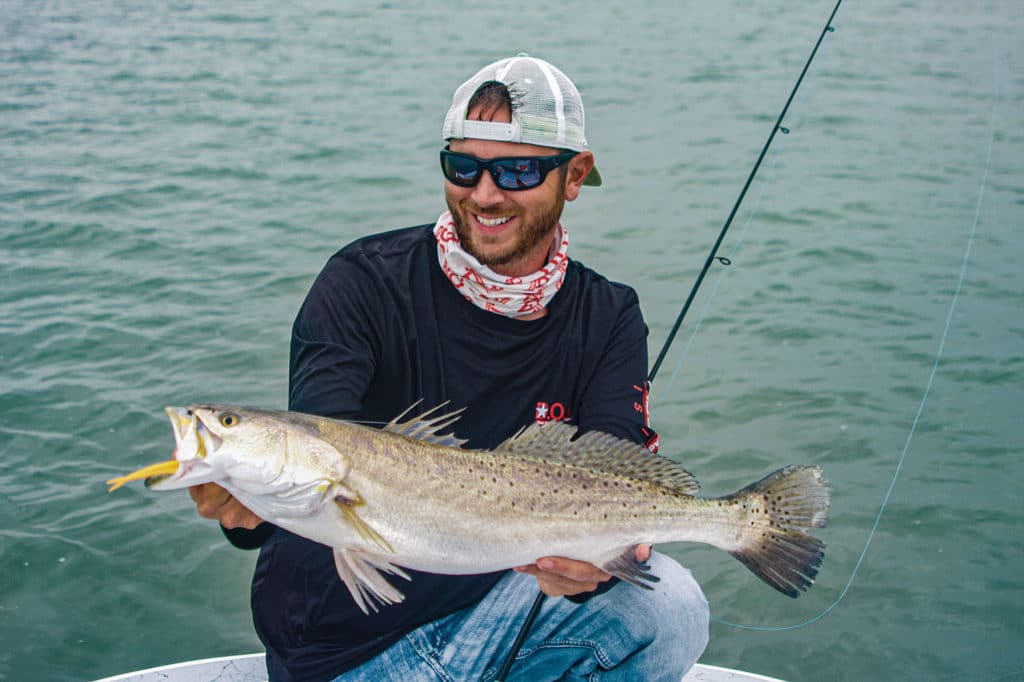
x=362 y=574
x=626 y=567
x=347 y=501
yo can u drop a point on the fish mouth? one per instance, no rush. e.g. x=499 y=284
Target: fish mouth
x=193 y=443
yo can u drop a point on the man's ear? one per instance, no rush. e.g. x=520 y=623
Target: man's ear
x=578 y=170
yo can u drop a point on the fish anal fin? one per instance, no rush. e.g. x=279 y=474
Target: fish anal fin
x=347 y=503
x=428 y=425
x=626 y=567
x=362 y=573
x=600 y=452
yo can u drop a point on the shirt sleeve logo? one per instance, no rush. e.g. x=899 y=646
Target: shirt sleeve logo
x=643 y=405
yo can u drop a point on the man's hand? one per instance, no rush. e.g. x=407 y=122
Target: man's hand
x=214 y=502
x=561 y=577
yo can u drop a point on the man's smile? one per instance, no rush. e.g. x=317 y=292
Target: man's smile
x=492 y=222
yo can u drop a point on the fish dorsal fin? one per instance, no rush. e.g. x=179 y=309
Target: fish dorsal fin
x=600 y=452
x=427 y=426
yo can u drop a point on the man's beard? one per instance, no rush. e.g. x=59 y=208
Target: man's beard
x=539 y=230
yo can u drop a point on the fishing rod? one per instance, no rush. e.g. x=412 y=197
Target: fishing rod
x=712 y=257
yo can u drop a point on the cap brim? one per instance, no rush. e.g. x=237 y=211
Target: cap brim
x=593 y=178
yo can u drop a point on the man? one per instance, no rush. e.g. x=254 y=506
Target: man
x=484 y=310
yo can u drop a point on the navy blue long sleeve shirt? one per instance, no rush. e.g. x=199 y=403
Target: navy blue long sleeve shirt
x=382 y=328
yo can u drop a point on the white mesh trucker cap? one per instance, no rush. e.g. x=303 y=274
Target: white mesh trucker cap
x=548 y=110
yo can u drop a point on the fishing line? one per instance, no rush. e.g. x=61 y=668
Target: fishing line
x=934 y=371
x=712 y=257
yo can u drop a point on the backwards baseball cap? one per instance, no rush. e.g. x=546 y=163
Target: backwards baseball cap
x=547 y=108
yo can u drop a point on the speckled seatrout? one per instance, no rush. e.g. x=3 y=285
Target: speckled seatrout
x=409 y=496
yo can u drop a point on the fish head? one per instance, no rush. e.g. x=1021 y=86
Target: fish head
x=213 y=443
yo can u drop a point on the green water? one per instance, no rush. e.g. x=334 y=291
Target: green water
x=173 y=175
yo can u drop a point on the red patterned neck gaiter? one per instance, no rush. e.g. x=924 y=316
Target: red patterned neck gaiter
x=486 y=289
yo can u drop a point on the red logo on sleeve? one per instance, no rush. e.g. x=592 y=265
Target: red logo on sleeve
x=643 y=406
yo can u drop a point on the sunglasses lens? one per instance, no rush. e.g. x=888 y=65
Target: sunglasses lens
x=518 y=173
x=460 y=170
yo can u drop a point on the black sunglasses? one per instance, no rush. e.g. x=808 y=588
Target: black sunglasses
x=512 y=173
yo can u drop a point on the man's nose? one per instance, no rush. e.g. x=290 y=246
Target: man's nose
x=487 y=193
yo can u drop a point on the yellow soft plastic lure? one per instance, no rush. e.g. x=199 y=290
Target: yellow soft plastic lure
x=161 y=469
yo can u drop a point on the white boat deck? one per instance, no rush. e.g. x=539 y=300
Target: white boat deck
x=251 y=668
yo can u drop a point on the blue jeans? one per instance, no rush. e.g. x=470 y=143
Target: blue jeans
x=627 y=633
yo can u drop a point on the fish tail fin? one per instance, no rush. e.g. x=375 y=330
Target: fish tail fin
x=775 y=544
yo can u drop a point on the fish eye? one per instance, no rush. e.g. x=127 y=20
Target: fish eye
x=228 y=419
